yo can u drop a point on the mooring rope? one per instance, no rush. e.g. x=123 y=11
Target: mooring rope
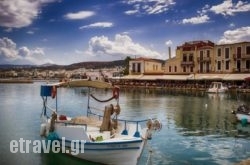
x=102 y=100
x=149 y=160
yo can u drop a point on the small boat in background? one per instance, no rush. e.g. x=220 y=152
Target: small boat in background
x=217 y=87
x=242 y=114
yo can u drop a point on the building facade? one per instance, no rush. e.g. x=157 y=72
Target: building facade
x=144 y=66
x=206 y=57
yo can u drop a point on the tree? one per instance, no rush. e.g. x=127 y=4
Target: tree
x=126 y=70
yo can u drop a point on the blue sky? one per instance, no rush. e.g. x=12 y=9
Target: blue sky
x=66 y=32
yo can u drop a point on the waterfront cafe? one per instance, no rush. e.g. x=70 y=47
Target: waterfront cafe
x=182 y=81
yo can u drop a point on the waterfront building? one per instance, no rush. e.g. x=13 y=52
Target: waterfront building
x=232 y=58
x=197 y=57
x=145 y=66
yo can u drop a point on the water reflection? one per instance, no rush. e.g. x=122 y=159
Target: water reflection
x=198 y=128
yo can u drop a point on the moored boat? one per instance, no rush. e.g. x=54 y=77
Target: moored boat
x=242 y=113
x=98 y=138
x=217 y=87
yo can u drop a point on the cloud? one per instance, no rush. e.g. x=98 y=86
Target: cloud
x=148 y=6
x=228 y=8
x=131 y=12
x=30 y=32
x=10 y=54
x=98 y=25
x=20 y=13
x=236 y=35
x=169 y=42
x=79 y=15
x=122 y=45
x=196 y=20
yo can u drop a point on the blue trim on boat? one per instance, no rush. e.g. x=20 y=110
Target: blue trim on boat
x=108 y=149
x=105 y=143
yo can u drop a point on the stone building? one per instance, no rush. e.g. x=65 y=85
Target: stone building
x=206 y=57
x=143 y=66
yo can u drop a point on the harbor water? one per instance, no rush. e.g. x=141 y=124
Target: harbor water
x=198 y=128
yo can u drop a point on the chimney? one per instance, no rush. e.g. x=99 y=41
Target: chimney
x=169 y=52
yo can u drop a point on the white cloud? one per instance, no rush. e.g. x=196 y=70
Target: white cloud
x=98 y=25
x=79 y=15
x=231 y=25
x=30 y=32
x=169 y=42
x=236 y=35
x=10 y=54
x=228 y=8
x=196 y=20
x=122 y=45
x=148 y=6
x=131 y=12
x=20 y=13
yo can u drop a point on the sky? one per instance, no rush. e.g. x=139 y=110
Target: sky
x=65 y=32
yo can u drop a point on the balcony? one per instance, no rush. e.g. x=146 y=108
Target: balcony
x=204 y=59
x=187 y=63
x=241 y=56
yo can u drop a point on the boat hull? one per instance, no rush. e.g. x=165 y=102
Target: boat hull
x=113 y=153
x=242 y=117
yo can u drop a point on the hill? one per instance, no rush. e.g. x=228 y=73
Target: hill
x=87 y=65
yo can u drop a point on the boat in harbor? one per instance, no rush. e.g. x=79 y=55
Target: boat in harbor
x=217 y=87
x=105 y=138
x=242 y=114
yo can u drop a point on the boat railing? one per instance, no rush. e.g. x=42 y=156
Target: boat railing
x=125 y=121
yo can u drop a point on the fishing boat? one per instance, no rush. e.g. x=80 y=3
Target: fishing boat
x=106 y=138
x=242 y=114
x=217 y=87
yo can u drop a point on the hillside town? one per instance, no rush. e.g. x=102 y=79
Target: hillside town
x=194 y=62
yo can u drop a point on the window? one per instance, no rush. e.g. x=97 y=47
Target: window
x=184 y=58
x=219 y=52
x=139 y=67
x=191 y=69
x=133 y=67
x=226 y=53
x=191 y=57
x=247 y=64
x=238 y=51
x=208 y=53
x=169 y=69
x=227 y=65
x=175 y=68
x=201 y=55
x=248 y=50
x=219 y=65
x=184 y=69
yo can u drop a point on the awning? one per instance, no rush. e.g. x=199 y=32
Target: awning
x=131 y=77
x=149 y=77
x=239 y=77
x=173 y=77
x=209 y=76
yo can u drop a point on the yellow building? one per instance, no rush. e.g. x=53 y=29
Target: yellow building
x=206 y=57
x=232 y=58
x=145 y=66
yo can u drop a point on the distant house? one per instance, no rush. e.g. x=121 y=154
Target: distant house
x=144 y=66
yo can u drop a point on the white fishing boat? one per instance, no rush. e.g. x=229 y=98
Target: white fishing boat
x=217 y=87
x=106 y=138
x=242 y=114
